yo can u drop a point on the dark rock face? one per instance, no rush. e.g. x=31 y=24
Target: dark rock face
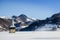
x=14 y=17
x=23 y=17
x=34 y=25
x=20 y=18
x=56 y=18
x=5 y=23
x=57 y=15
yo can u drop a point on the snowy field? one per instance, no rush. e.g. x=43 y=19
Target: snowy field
x=42 y=35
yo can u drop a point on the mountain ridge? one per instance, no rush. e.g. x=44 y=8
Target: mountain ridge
x=30 y=24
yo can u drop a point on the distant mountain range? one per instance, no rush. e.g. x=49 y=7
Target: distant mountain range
x=24 y=23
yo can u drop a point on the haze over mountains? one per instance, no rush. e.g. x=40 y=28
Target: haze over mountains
x=24 y=23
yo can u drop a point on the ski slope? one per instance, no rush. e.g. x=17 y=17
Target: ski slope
x=42 y=35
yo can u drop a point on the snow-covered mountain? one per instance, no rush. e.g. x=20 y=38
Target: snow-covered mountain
x=4 y=17
x=23 y=18
x=22 y=21
x=44 y=24
x=25 y=23
x=4 y=24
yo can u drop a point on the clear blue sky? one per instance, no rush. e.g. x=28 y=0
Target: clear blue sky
x=40 y=9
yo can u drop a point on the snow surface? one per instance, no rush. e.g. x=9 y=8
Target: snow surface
x=47 y=27
x=36 y=35
x=4 y=17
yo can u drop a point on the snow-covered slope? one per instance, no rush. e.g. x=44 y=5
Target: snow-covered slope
x=47 y=27
x=4 y=17
x=53 y=35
